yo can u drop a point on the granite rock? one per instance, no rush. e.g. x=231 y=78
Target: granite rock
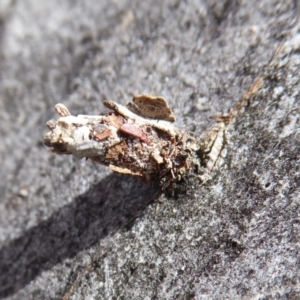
x=73 y=229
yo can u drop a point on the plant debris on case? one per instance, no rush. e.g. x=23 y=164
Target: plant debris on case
x=139 y=139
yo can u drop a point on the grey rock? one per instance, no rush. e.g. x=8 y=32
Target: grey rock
x=72 y=229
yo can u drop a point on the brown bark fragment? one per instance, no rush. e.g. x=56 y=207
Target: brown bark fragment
x=116 y=151
x=101 y=132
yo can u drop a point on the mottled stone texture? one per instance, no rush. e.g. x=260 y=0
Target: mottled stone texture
x=73 y=229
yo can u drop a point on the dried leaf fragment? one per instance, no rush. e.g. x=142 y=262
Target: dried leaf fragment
x=151 y=107
x=135 y=131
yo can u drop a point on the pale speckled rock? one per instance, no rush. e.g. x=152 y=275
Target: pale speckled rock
x=72 y=226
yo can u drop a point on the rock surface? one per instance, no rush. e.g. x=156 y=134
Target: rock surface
x=74 y=230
